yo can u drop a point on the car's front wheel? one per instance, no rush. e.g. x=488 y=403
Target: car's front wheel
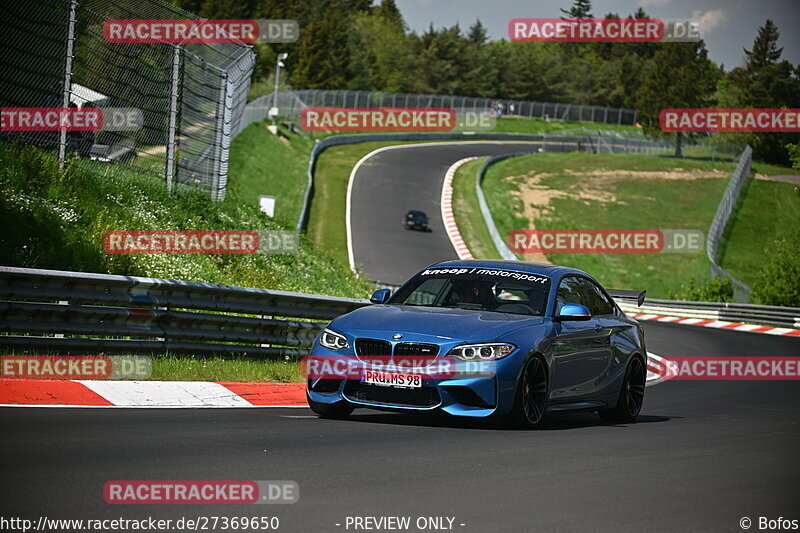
x=531 y=401
x=331 y=410
x=631 y=396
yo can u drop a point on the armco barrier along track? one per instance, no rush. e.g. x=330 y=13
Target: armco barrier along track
x=90 y=312
x=74 y=311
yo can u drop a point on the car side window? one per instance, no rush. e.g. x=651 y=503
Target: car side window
x=570 y=291
x=599 y=304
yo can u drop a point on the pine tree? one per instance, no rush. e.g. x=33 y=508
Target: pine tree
x=389 y=10
x=477 y=33
x=581 y=9
x=322 y=52
x=765 y=48
x=360 y=5
x=680 y=76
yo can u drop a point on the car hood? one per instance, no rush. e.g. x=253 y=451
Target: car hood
x=435 y=322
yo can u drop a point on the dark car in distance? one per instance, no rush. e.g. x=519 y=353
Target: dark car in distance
x=416 y=220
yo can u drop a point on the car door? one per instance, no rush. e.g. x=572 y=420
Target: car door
x=583 y=347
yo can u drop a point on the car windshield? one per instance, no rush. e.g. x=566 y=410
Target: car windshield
x=480 y=289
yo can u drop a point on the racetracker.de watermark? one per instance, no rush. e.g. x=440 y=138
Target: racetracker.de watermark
x=200 y=492
x=730 y=120
x=382 y=368
x=606 y=30
x=75 y=367
x=378 y=119
x=210 y=242
x=148 y=31
x=71 y=119
x=606 y=241
x=727 y=368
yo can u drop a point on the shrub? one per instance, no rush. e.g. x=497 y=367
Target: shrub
x=713 y=290
x=778 y=283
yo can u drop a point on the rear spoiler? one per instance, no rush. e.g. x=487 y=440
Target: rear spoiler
x=628 y=295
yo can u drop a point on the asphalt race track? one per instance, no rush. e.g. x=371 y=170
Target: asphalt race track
x=390 y=183
x=703 y=455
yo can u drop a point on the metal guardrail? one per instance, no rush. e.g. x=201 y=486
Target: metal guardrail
x=494 y=233
x=101 y=311
x=788 y=317
x=82 y=312
x=723 y=214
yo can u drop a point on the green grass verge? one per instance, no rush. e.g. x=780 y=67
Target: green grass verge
x=611 y=203
x=537 y=125
x=171 y=368
x=264 y=164
x=767 y=211
x=467 y=212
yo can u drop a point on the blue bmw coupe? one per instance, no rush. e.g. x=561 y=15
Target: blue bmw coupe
x=504 y=339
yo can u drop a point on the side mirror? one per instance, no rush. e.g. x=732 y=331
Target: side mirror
x=381 y=296
x=573 y=312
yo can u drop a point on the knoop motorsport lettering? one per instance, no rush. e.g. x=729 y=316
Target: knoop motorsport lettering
x=378 y=119
x=521 y=276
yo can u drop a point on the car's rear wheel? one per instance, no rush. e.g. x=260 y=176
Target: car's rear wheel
x=631 y=396
x=331 y=410
x=531 y=401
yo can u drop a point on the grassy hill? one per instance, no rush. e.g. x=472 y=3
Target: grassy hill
x=620 y=191
x=57 y=218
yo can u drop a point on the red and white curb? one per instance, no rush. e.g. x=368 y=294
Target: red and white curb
x=149 y=394
x=718 y=324
x=655 y=369
x=173 y=394
x=447 y=210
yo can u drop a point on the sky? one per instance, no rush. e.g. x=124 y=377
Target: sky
x=727 y=26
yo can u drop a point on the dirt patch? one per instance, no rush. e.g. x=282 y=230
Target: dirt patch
x=786 y=179
x=596 y=185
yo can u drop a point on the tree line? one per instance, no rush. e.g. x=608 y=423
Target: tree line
x=366 y=45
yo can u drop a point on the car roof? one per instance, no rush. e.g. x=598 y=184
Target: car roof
x=551 y=271
x=416 y=212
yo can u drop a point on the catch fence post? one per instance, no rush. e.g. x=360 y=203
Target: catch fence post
x=169 y=171
x=62 y=132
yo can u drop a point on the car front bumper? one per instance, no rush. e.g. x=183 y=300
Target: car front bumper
x=461 y=396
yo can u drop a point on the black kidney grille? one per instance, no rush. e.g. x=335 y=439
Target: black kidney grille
x=373 y=347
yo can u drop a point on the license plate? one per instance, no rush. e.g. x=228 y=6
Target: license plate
x=392 y=379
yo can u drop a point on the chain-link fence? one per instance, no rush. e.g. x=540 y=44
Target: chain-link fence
x=724 y=210
x=291 y=102
x=191 y=96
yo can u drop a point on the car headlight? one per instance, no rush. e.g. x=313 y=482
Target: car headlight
x=333 y=340
x=482 y=352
